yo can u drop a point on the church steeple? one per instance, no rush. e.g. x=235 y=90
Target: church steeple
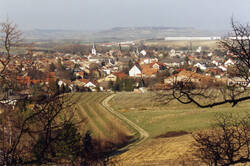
x=93 y=51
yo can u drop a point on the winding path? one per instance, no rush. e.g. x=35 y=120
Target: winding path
x=143 y=134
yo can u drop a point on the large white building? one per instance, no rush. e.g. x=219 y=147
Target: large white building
x=135 y=72
x=193 y=38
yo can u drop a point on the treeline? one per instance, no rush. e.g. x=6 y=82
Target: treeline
x=126 y=84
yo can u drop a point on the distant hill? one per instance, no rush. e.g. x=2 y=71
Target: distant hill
x=116 y=34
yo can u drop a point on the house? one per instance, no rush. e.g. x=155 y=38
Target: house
x=79 y=83
x=216 y=63
x=201 y=66
x=143 y=52
x=61 y=83
x=120 y=75
x=88 y=84
x=199 y=49
x=50 y=77
x=79 y=74
x=173 y=62
x=147 y=60
x=149 y=70
x=157 y=65
x=188 y=76
x=135 y=72
x=222 y=68
x=172 y=53
x=229 y=62
x=24 y=80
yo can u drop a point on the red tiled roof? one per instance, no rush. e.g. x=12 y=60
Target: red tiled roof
x=120 y=75
x=25 y=80
x=84 y=80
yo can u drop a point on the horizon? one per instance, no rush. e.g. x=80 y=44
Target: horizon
x=96 y=15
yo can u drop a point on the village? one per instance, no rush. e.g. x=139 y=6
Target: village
x=118 y=70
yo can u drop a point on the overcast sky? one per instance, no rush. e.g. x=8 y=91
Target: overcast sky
x=104 y=14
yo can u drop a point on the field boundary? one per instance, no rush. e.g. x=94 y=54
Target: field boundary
x=143 y=134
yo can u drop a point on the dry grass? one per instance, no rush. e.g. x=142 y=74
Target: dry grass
x=103 y=125
x=161 y=151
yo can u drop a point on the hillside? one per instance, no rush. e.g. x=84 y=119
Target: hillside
x=115 y=34
x=160 y=120
x=104 y=126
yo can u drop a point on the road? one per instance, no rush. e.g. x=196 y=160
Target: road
x=143 y=134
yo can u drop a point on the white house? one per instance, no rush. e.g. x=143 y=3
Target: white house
x=143 y=52
x=90 y=85
x=229 y=62
x=199 y=49
x=210 y=54
x=215 y=62
x=135 y=72
x=172 y=53
x=61 y=83
x=148 y=60
x=222 y=68
x=202 y=67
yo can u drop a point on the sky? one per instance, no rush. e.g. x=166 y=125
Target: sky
x=106 y=14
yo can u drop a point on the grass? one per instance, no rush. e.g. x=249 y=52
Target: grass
x=102 y=124
x=157 y=118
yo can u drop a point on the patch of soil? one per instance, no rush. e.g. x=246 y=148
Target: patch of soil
x=172 y=134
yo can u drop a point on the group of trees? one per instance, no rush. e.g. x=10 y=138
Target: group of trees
x=125 y=84
x=40 y=129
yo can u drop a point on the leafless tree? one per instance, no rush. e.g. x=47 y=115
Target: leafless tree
x=227 y=143
x=10 y=36
x=41 y=129
x=233 y=90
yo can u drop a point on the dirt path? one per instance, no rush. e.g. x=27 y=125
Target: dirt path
x=143 y=134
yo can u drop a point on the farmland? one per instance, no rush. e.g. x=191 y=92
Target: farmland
x=155 y=118
x=103 y=125
x=158 y=119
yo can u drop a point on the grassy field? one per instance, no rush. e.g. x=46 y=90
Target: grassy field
x=158 y=119
x=102 y=124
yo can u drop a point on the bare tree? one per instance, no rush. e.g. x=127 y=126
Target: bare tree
x=234 y=90
x=227 y=143
x=10 y=36
x=40 y=129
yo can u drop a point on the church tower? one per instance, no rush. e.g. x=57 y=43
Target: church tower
x=93 y=50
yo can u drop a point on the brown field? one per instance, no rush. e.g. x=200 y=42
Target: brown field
x=103 y=125
x=161 y=151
